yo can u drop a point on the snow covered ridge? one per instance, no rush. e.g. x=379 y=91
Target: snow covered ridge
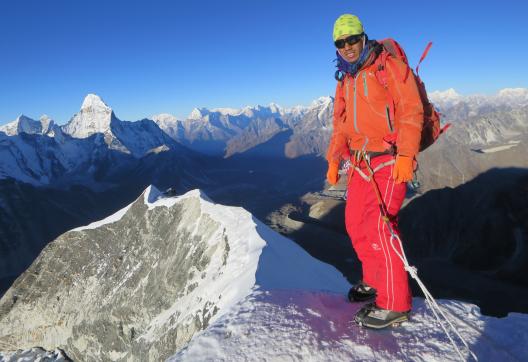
x=27 y=125
x=140 y=283
x=514 y=97
x=248 y=111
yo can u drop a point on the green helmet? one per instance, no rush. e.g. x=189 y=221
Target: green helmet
x=347 y=24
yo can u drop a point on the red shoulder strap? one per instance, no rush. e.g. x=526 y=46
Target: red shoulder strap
x=424 y=54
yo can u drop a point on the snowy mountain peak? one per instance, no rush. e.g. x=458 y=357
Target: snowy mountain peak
x=198 y=113
x=46 y=123
x=226 y=111
x=165 y=119
x=275 y=108
x=94 y=117
x=449 y=95
x=514 y=93
x=22 y=124
x=262 y=111
x=322 y=101
x=93 y=101
x=28 y=125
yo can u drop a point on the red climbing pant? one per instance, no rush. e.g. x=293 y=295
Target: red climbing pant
x=382 y=267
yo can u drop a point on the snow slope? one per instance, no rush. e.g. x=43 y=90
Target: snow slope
x=286 y=325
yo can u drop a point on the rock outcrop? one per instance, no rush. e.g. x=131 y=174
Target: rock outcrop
x=137 y=285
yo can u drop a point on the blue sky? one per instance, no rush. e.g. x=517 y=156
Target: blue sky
x=148 y=57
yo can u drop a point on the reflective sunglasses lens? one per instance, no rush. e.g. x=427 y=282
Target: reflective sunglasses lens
x=353 y=39
x=340 y=43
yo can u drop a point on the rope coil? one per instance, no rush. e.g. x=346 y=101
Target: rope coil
x=431 y=302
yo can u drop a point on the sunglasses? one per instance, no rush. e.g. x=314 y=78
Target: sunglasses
x=351 y=40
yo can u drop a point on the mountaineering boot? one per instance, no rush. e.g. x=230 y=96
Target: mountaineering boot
x=372 y=316
x=364 y=310
x=361 y=292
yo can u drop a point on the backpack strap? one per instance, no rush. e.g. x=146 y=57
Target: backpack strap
x=381 y=76
x=393 y=48
x=424 y=54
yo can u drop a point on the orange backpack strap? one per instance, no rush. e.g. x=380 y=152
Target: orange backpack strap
x=381 y=76
x=391 y=48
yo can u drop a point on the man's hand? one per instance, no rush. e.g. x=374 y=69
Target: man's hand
x=403 y=169
x=332 y=176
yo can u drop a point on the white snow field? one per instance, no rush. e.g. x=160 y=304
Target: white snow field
x=286 y=325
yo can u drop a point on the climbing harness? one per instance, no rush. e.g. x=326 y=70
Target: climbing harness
x=354 y=166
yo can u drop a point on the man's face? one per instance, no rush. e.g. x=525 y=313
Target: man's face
x=350 y=53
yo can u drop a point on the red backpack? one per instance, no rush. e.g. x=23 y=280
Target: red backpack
x=431 y=126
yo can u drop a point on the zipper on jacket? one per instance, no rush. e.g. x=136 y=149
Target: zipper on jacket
x=355 y=106
x=365 y=87
x=346 y=90
x=387 y=113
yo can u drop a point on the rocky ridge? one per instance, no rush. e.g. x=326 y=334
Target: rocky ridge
x=140 y=283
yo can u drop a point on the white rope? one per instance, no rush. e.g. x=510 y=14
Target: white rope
x=346 y=166
x=431 y=302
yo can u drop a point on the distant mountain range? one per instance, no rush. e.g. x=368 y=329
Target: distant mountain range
x=91 y=149
x=448 y=100
x=226 y=131
x=73 y=153
x=43 y=153
x=487 y=132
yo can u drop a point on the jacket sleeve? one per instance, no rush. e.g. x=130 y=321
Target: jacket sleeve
x=338 y=140
x=408 y=108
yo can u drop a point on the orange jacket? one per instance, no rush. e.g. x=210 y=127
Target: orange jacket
x=361 y=116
